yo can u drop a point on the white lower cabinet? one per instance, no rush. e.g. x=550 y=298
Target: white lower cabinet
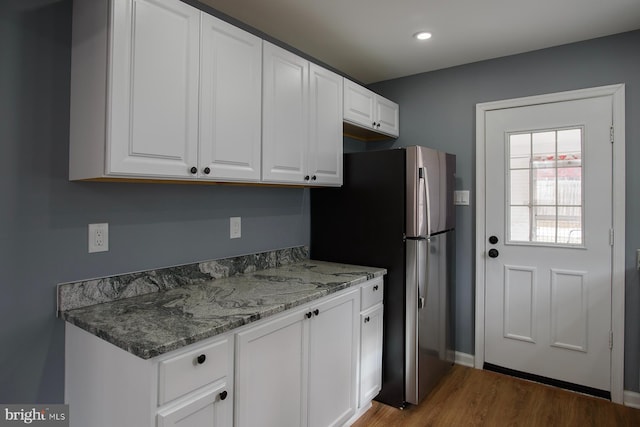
x=371 y=329
x=300 y=369
x=371 y=354
x=106 y=386
x=208 y=408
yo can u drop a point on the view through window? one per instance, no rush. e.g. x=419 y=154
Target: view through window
x=544 y=190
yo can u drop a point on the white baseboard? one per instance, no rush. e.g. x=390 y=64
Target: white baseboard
x=464 y=359
x=632 y=399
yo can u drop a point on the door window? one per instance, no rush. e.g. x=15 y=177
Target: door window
x=545 y=187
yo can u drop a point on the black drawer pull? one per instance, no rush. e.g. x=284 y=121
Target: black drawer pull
x=201 y=359
x=375 y=288
x=223 y=395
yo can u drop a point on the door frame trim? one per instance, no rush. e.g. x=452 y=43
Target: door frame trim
x=617 y=92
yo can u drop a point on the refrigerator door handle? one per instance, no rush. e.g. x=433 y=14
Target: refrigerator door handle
x=426 y=202
x=422 y=271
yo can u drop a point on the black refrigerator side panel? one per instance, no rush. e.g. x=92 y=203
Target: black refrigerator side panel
x=363 y=223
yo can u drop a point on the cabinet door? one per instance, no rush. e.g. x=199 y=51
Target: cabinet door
x=230 y=102
x=332 y=360
x=325 y=126
x=359 y=104
x=271 y=370
x=212 y=408
x=387 y=113
x=285 y=115
x=370 y=354
x=153 y=88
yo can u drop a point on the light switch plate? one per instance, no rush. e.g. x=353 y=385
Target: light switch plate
x=461 y=197
x=235 y=227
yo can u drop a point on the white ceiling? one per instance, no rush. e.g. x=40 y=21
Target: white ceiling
x=371 y=40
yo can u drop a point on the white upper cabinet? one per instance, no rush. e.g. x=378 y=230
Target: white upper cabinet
x=325 y=127
x=302 y=120
x=154 y=88
x=230 y=102
x=134 y=89
x=369 y=110
x=285 y=107
x=161 y=90
x=387 y=116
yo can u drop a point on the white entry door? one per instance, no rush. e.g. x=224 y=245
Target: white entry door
x=548 y=240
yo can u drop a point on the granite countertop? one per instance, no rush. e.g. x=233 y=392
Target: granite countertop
x=152 y=324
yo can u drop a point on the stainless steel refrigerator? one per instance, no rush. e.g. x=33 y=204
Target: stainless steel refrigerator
x=395 y=210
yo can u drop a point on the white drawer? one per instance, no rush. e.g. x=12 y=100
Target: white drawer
x=189 y=371
x=371 y=293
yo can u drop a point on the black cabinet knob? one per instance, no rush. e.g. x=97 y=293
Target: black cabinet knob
x=313 y=178
x=207 y=170
x=316 y=311
x=223 y=395
x=374 y=124
x=493 y=253
x=201 y=359
x=193 y=170
x=308 y=315
x=375 y=288
x=366 y=319
x=378 y=125
x=493 y=240
x=306 y=177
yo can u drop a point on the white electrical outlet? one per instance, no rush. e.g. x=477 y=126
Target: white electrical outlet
x=98 y=237
x=235 y=227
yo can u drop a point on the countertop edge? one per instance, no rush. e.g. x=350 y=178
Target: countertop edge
x=151 y=352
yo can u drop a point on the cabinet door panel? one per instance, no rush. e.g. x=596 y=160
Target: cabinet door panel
x=285 y=115
x=154 y=88
x=358 y=104
x=325 y=123
x=271 y=372
x=332 y=361
x=388 y=116
x=370 y=354
x=230 y=102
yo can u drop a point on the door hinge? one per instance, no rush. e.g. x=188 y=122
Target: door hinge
x=611 y=134
x=610 y=340
x=611 y=236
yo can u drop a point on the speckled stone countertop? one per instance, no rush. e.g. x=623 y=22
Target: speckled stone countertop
x=152 y=324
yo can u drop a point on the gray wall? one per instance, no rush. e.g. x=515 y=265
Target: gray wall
x=437 y=109
x=44 y=217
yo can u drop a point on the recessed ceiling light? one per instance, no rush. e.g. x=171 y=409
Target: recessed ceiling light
x=423 y=35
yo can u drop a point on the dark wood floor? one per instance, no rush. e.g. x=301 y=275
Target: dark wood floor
x=472 y=397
